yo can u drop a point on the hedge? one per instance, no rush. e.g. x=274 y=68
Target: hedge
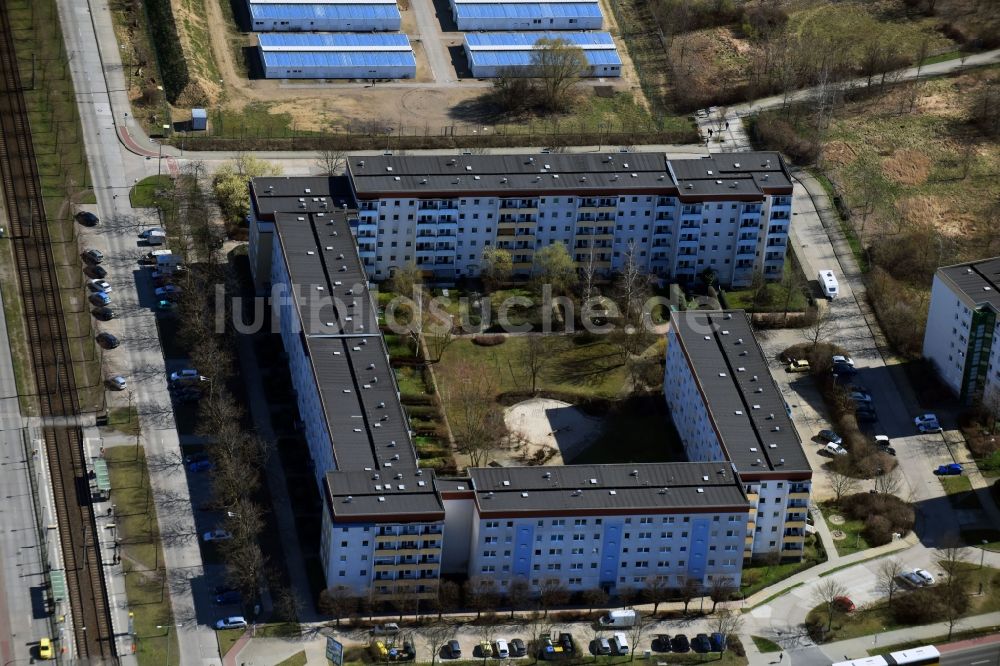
x=167 y=43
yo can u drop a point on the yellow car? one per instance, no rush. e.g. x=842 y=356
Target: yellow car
x=45 y=649
x=485 y=649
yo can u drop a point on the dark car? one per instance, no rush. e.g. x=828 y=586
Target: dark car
x=93 y=256
x=107 y=340
x=885 y=448
x=228 y=597
x=866 y=417
x=453 y=649
x=661 y=643
x=566 y=640
x=87 y=219
x=97 y=272
x=718 y=642
x=408 y=653
x=104 y=313
x=701 y=644
x=844 y=370
x=679 y=643
x=518 y=648
x=223 y=589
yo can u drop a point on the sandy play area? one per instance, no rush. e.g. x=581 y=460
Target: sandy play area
x=558 y=429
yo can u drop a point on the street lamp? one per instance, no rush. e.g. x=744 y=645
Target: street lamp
x=982 y=553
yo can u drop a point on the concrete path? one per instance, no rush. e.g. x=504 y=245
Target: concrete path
x=858 y=647
x=433 y=41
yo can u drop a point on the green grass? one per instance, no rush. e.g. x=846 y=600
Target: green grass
x=955 y=485
x=975 y=538
x=16 y=332
x=936 y=640
x=146 y=584
x=145 y=193
x=411 y=381
x=124 y=419
x=853 y=542
x=227 y=639
x=773 y=296
x=765 y=645
x=297 y=659
x=942 y=57
x=758 y=576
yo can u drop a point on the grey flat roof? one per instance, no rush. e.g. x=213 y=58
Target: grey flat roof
x=368 y=495
x=743 y=401
x=432 y=175
x=300 y=194
x=575 y=489
x=977 y=281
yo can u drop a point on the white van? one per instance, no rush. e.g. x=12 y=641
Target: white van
x=619 y=644
x=828 y=282
x=619 y=618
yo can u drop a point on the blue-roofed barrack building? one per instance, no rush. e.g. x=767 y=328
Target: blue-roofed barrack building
x=489 y=53
x=337 y=56
x=392 y=529
x=323 y=15
x=471 y=15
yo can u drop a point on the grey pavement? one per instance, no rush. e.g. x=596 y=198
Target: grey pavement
x=429 y=34
x=89 y=41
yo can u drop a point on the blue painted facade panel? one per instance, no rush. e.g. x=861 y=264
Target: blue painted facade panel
x=698 y=550
x=523 y=542
x=611 y=547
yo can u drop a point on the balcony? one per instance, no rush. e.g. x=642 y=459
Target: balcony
x=438 y=206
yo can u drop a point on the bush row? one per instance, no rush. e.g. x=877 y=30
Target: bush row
x=169 y=54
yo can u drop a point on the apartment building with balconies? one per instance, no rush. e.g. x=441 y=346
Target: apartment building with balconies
x=676 y=218
x=962 y=339
x=726 y=407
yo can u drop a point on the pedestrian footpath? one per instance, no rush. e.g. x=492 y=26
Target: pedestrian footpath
x=859 y=647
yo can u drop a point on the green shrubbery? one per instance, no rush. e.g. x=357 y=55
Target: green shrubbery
x=166 y=41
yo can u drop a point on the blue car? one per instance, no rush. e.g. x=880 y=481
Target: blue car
x=100 y=298
x=952 y=469
x=200 y=465
x=718 y=642
x=228 y=597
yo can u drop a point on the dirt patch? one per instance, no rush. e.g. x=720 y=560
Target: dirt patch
x=191 y=18
x=838 y=153
x=919 y=210
x=907 y=167
x=549 y=431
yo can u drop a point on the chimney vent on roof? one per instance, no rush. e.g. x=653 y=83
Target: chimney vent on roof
x=547 y=475
x=348 y=499
x=634 y=472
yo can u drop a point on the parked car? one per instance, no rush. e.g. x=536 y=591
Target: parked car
x=859 y=388
x=87 y=219
x=44 y=649
x=107 y=340
x=831 y=436
x=661 y=643
x=104 y=313
x=408 y=653
x=680 y=643
x=232 y=622
x=951 y=469
x=453 y=649
x=117 y=383
x=518 y=648
x=718 y=642
x=886 y=449
x=924 y=575
x=100 y=299
x=154 y=230
x=911 y=578
x=200 y=466
x=227 y=598
x=835 y=449
x=798 y=365
x=217 y=534
x=169 y=292
x=846 y=360
x=387 y=629
x=859 y=397
x=99 y=285
x=600 y=646
x=843 y=370
x=501 y=651
x=185 y=374
x=165 y=306
x=485 y=650
x=843 y=604
x=96 y=271
x=927 y=423
x=701 y=644
x=92 y=256
x=566 y=641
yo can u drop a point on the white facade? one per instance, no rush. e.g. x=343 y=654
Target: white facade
x=447 y=236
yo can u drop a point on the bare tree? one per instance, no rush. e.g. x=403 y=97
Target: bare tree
x=842 y=484
x=631 y=293
x=637 y=631
x=822 y=327
x=889 y=483
x=826 y=593
x=688 y=591
x=481 y=594
x=556 y=65
x=588 y=274
x=338 y=601
x=551 y=593
x=728 y=623
x=721 y=588
x=245 y=569
x=518 y=594
x=657 y=591
x=331 y=161
x=478 y=423
x=535 y=355
x=448 y=597
x=595 y=598
x=888 y=576
x=512 y=91
x=437 y=636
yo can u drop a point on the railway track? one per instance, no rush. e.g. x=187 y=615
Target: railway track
x=48 y=340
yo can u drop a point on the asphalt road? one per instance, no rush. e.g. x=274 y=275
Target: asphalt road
x=977 y=655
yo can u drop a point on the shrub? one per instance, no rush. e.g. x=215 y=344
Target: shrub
x=488 y=340
x=877 y=530
x=920 y=606
x=883 y=515
x=777 y=133
x=167 y=43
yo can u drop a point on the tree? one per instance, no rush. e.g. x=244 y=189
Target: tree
x=595 y=597
x=518 y=594
x=437 y=636
x=448 y=596
x=231 y=184
x=496 y=266
x=728 y=622
x=842 y=485
x=889 y=483
x=828 y=590
x=244 y=569
x=637 y=632
x=553 y=266
x=478 y=424
x=820 y=329
x=551 y=593
x=588 y=274
x=512 y=91
x=721 y=588
x=481 y=594
x=330 y=161
x=631 y=293
x=556 y=65
x=536 y=353
x=338 y=601
x=657 y=591
x=888 y=576
x=688 y=591
x=404 y=278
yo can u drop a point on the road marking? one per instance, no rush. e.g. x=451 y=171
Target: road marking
x=976 y=663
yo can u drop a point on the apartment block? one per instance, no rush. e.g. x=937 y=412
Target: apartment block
x=961 y=339
x=729 y=213
x=727 y=408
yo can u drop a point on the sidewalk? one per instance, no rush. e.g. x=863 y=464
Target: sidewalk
x=858 y=647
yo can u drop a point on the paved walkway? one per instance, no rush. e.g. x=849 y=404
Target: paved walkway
x=858 y=647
